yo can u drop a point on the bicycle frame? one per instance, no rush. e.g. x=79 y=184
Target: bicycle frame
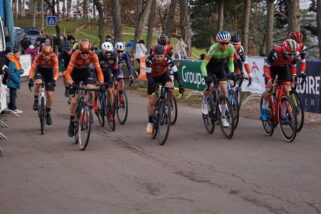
x=274 y=103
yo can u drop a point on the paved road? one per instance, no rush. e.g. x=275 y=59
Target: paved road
x=127 y=172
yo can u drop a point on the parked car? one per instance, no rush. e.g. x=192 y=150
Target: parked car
x=18 y=35
x=33 y=33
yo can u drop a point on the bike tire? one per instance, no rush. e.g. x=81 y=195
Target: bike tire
x=174 y=112
x=268 y=125
x=209 y=119
x=235 y=106
x=122 y=108
x=227 y=131
x=238 y=93
x=42 y=115
x=84 y=127
x=76 y=121
x=155 y=120
x=297 y=101
x=164 y=122
x=100 y=113
x=291 y=114
x=110 y=110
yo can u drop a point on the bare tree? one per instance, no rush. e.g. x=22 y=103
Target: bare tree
x=142 y=10
x=69 y=8
x=85 y=8
x=58 y=8
x=319 y=24
x=269 y=25
x=33 y=10
x=220 y=12
x=293 y=15
x=99 y=7
x=185 y=25
x=170 y=23
x=51 y=4
x=116 y=20
x=246 y=24
x=151 y=22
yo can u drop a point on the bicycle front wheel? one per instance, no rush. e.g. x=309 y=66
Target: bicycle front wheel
x=209 y=119
x=287 y=118
x=164 y=122
x=100 y=113
x=173 y=104
x=121 y=107
x=299 y=109
x=268 y=125
x=226 y=117
x=42 y=115
x=110 y=115
x=235 y=106
x=84 y=127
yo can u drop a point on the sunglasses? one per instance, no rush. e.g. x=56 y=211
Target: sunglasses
x=290 y=54
x=108 y=52
x=85 y=53
x=120 y=51
x=224 y=43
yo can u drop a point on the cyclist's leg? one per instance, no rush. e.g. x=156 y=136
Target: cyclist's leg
x=285 y=78
x=120 y=74
x=151 y=88
x=38 y=80
x=168 y=82
x=48 y=78
x=266 y=95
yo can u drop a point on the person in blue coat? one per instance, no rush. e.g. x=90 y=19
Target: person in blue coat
x=14 y=72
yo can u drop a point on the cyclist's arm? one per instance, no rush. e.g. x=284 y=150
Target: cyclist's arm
x=243 y=58
x=34 y=66
x=231 y=60
x=293 y=68
x=56 y=67
x=70 y=67
x=149 y=69
x=272 y=57
x=100 y=74
x=204 y=65
x=173 y=67
x=303 y=64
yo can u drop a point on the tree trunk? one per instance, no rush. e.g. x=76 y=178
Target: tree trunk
x=151 y=22
x=100 y=21
x=64 y=8
x=319 y=24
x=33 y=7
x=246 y=25
x=94 y=12
x=220 y=12
x=116 y=20
x=85 y=9
x=141 y=18
x=293 y=15
x=58 y=8
x=42 y=17
x=51 y=5
x=269 y=26
x=170 y=23
x=186 y=25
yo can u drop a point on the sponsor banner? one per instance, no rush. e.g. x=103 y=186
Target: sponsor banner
x=25 y=62
x=190 y=72
x=258 y=82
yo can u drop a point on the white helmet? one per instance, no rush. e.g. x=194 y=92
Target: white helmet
x=120 y=46
x=107 y=46
x=223 y=36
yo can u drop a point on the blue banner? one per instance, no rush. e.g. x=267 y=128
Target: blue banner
x=310 y=90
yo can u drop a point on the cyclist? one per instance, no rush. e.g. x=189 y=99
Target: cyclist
x=157 y=72
x=240 y=57
x=277 y=63
x=108 y=62
x=79 y=69
x=298 y=37
x=44 y=68
x=163 y=40
x=64 y=57
x=220 y=52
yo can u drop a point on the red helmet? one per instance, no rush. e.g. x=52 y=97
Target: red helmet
x=290 y=46
x=84 y=45
x=296 y=35
x=47 y=49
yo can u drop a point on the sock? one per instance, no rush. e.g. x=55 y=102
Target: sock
x=265 y=104
x=204 y=100
x=48 y=109
x=150 y=119
x=71 y=118
x=223 y=109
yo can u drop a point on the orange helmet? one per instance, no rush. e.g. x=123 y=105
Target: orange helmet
x=84 y=45
x=47 y=49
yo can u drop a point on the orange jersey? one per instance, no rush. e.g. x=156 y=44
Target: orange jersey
x=77 y=61
x=44 y=63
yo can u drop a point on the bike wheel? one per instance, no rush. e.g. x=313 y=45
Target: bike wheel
x=42 y=115
x=238 y=93
x=155 y=121
x=110 y=111
x=84 y=127
x=122 y=107
x=299 y=109
x=235 y=106
x=287 y=118
x=209 y=119
x=164 y=122
x=100 y=113
x=268 y=125
x=227 y=131
x=173 y=104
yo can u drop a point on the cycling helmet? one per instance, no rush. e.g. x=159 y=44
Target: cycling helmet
x=47 y=49
x=296 y=35
x=84 y=45
x=159 y=49
x=235 y=38
x=290 y=46
x=162 y=39
x=223 y=36
x=107 y=46
x=120 y=46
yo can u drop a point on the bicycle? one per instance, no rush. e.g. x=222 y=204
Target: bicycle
x=162 y=115
x=83 y=117
x=281 y=110
x=296 y=98
x=105 y=109
x=215 y=112
x=120 y=101
x=233 y=99
x=173 y=104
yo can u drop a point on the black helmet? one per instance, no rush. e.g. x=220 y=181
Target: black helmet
x=159 y=49
x=162 y=39
x=235 y=38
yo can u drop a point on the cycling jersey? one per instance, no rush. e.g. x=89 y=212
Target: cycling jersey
x=276 y=58
x=168 y=50
x=241 y=57
x=79 y=63
x=155 y=68
x=302 y=55
x=216 y=55
x=124 y=57
x=106 y=62
x=41 y=62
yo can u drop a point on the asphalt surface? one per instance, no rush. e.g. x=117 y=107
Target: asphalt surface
x=127 y=172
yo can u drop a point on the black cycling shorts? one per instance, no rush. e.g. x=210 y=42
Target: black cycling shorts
x=282 y=72
x=217 y=69
x=86 y=75
x=163 y=79
x=45 y=74
x=108 y=77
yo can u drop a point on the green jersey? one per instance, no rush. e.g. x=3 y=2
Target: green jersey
x=216 y=53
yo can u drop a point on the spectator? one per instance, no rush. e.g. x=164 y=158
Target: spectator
x=94 y=47
x=5 y=59
x=181 y=48
x=109 y=38
x=25 y=42
x=14 y=73
x=70 y=37
x=140 y=52
x=32 y=51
